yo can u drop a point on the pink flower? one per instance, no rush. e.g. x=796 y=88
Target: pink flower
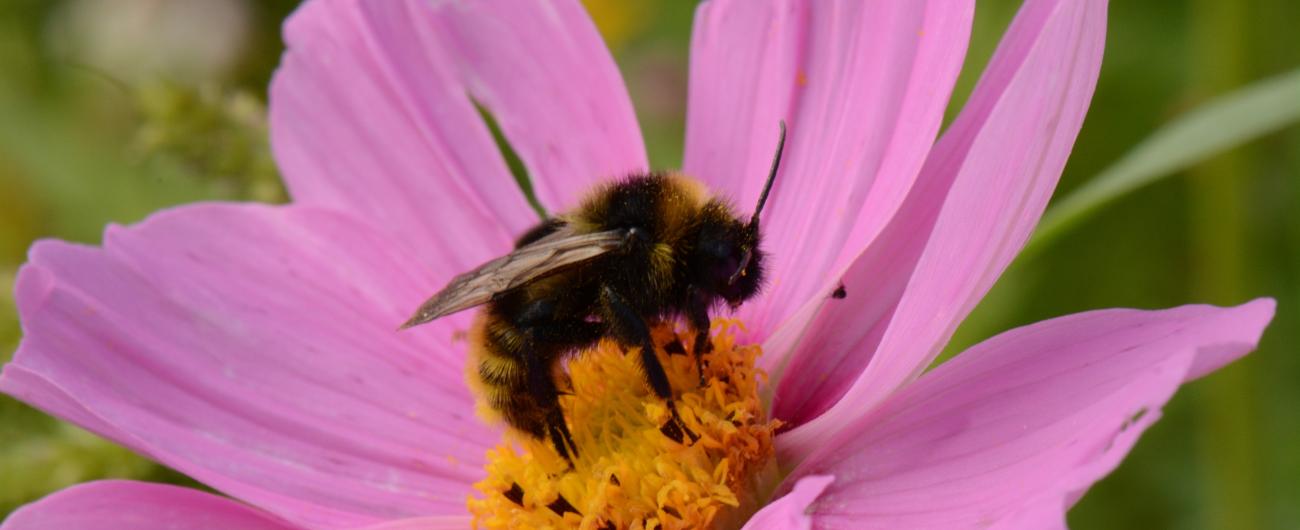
x=252 y=346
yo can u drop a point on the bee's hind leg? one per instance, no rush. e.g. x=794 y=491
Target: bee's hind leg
x=561 y=438
x=546 y=401
x=698 y=314
x=631 y=328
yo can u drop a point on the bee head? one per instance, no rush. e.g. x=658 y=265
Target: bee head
x=741 y=260
x=747 y=276
x=730 y=262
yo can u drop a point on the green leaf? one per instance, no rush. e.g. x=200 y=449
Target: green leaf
x=1226 y=122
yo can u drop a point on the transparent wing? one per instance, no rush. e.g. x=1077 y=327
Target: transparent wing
x=527 y=263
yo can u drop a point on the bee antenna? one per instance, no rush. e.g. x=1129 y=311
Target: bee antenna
x=771 y=177
x=762 y=199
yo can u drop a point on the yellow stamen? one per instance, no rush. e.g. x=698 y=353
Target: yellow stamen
x=629 y=474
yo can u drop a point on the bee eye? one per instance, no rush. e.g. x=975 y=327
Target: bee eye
x=722 y=269
x=720 y=251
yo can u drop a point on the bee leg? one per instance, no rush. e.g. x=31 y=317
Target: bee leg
x=631 y=328
x=698 y=313
x=542 y=389
x=575 y=335
x=561 y=438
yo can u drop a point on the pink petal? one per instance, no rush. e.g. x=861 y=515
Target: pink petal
x=546 y=74
x=1015 y=430
x=372 y=113
x=254 y=349
x=127 y=505
x=1041 y=514
x=442 y=522
x=863 y=87
x=978 y=197
x=791 y=511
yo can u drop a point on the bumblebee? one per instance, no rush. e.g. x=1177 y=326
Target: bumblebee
x=646 y=249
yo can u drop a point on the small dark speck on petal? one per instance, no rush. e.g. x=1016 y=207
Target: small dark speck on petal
x=1133 y=419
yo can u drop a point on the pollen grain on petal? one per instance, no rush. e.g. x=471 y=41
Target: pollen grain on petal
x=629 y=473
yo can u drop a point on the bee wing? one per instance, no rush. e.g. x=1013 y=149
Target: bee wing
x=527 y=263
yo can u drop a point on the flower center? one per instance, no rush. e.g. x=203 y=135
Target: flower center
x=629 y=473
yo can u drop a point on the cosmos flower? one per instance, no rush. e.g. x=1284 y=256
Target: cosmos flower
x=252 y=347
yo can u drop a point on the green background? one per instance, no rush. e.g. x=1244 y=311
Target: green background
x=88 y=137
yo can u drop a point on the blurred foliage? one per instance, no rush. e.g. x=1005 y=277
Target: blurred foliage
x=1241 y=116
x=220 y=135
x=83 y=145
x=86 y=141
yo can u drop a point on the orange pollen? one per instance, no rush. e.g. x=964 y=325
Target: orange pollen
x=629 y=473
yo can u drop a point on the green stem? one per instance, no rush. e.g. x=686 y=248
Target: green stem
x=1226 y=416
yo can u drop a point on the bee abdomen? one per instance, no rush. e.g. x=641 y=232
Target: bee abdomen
x=499 y=361
x=495 y=369
x=500 y=372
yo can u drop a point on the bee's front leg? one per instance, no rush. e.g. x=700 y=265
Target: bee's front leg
x=632 y=330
